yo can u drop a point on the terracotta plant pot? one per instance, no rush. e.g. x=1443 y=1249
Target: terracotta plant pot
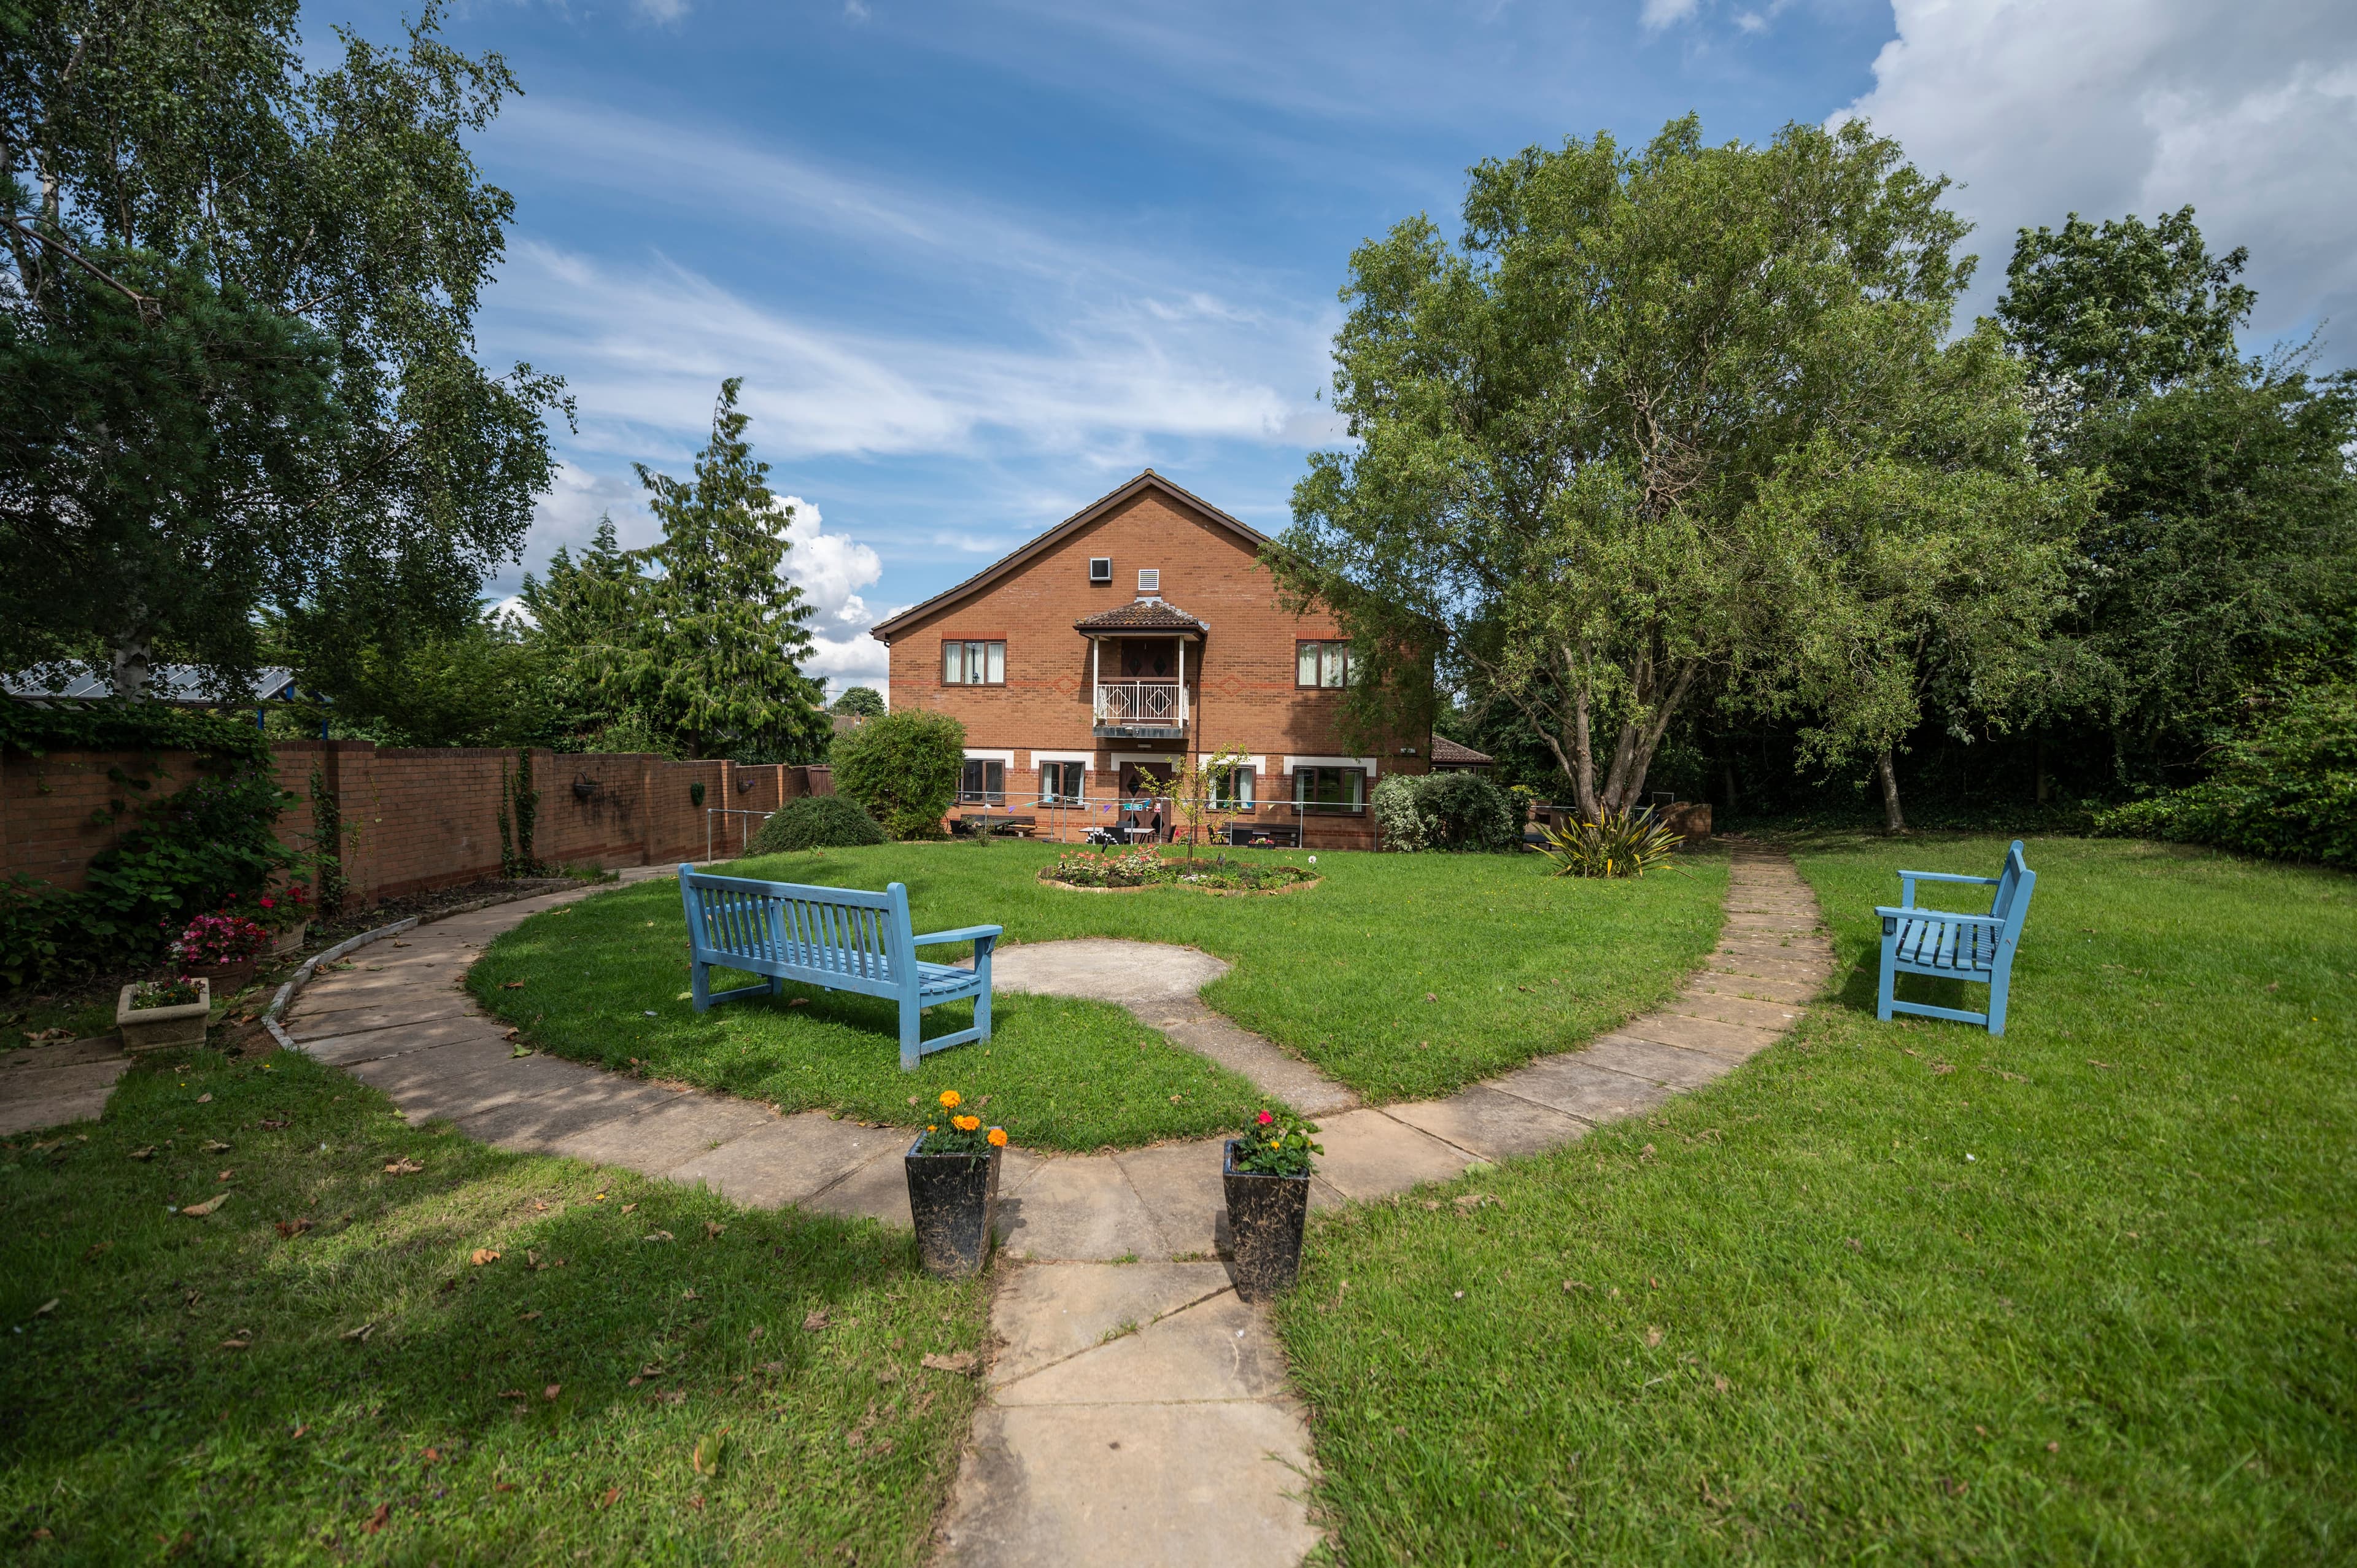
x=953 y=1199
x=226 y=978
x=289 y=940
x=1265 y=1219
x=160 y=1028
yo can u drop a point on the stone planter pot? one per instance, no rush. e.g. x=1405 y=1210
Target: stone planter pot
x=160 y=1028
x=1265 y=1219
x=953 y=1199
x=226 y=978
x=289 y=940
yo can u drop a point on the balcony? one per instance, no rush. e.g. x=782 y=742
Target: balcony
x=1141 y=710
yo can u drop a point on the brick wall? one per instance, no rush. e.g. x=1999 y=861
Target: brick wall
x=413 y=819
x=1240 y=675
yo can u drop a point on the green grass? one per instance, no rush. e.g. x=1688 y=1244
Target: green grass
x=2084 y=1293
x=127 y=1435
x=1516 y=963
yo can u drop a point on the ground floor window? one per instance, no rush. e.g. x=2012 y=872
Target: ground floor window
x=1060 y=783
x=1233 y=791
x=1329 y=789
x=985 y=782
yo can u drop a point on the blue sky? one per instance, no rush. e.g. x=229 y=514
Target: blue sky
x=979 y=263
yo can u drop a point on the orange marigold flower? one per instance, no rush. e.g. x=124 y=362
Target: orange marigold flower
x=950 y=1097
x=998 y=1137
x=965 y=1123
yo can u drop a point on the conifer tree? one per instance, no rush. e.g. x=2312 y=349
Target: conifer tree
x=716 y=660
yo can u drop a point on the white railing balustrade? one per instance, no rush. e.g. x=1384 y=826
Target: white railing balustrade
x=1156 y=704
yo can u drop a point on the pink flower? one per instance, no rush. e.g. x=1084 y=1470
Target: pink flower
x=1265 y=1118
x=270 y=902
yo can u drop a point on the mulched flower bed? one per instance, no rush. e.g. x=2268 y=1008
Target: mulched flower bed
x=1133 y=870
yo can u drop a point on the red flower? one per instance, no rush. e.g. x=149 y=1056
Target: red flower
x=1265 y=1118
x=270 y=902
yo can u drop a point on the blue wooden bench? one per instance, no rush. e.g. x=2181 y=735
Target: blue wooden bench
x=1949 y=946
x=837 y=937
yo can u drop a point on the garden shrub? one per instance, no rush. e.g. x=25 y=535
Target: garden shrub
x=816 y=822
x=1443 y=811
x=207 y=844
x=2285 y=789
x=904 y=768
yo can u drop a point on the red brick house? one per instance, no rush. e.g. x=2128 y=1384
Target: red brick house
x=1138 y=631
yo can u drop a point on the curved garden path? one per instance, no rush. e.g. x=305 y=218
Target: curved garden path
x=1139 y=1412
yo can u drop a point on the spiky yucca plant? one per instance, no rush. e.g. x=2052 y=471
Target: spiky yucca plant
x=1620 y=843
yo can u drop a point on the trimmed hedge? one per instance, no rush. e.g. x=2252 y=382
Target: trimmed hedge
x=816 y=822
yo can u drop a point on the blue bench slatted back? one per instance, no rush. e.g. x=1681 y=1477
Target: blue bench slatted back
x=2014 y=886
x=840 y=937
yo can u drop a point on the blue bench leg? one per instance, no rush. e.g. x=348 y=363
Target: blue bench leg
x=2000 y=981
x=1887 y=990
x=982 y=1001
x=912 y=1020
x=700 y=983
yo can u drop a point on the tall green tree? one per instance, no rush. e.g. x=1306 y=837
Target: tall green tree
x=2223 y=551
x=235 y=338
x=1565 y=422
x=864 y=702
x=716 y=657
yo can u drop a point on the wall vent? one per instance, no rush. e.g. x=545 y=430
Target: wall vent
x=1100 y=568
x=1149 y=581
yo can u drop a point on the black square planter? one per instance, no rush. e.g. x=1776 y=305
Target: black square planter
x=1265 y=1219
x=953 y=1199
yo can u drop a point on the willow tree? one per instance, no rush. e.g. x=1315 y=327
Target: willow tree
x=1565 y=422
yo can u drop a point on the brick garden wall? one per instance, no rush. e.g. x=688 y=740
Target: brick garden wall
x=413 y=819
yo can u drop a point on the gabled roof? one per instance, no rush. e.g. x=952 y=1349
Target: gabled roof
x=1142 y=615
x=1447 y=750
x=885 y=630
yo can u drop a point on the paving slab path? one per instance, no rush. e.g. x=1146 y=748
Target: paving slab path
x=1137 y=1411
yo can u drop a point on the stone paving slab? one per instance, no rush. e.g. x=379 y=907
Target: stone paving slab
x=1672 y=1067
x=480 y=1035
x=1079 y=1207
x=537 y=1125
x=785 y=1162
x=668 y=1136
x=879 y=1189
x=50 y=1085
x=1704 y=1002
x=1757 y=987
x=1180 y=1187
x=1577 y=1085
x=1371 y=1155
x=106 y=1048
x=1219 y=1348
x=1047 y=1313
x=307 y=1023
x=1192 y=1024
x=423 y=1095
x=1491 y=1123
x=1738 y=1040
x=1139 y=1485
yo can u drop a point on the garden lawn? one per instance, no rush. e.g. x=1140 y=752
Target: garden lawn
x=375 y=1389
x=1515 y=964
x=2084 y=1293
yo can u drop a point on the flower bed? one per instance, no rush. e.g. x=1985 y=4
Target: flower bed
x=1133 y=869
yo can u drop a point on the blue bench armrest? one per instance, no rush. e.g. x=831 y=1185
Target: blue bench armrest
x=1995 y=922
x=963 y=934
x=1948 y=877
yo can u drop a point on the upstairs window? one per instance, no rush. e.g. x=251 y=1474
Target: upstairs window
x=973 y=664
x=1100 y=568
x=1149 y=579
x=1327 y=789
x=1321 y=663
x=1059 y=784
x=985 y=783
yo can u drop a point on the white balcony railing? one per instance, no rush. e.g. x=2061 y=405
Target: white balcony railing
x=1141 y=704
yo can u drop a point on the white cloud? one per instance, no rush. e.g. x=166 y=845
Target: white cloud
x=1660 y=14
x=662 y=10
x=2247 y=112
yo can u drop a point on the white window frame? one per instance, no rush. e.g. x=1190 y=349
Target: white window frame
x=961 y=656
x=1149 y=579
x=1059 y=795
x=1343 y=673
